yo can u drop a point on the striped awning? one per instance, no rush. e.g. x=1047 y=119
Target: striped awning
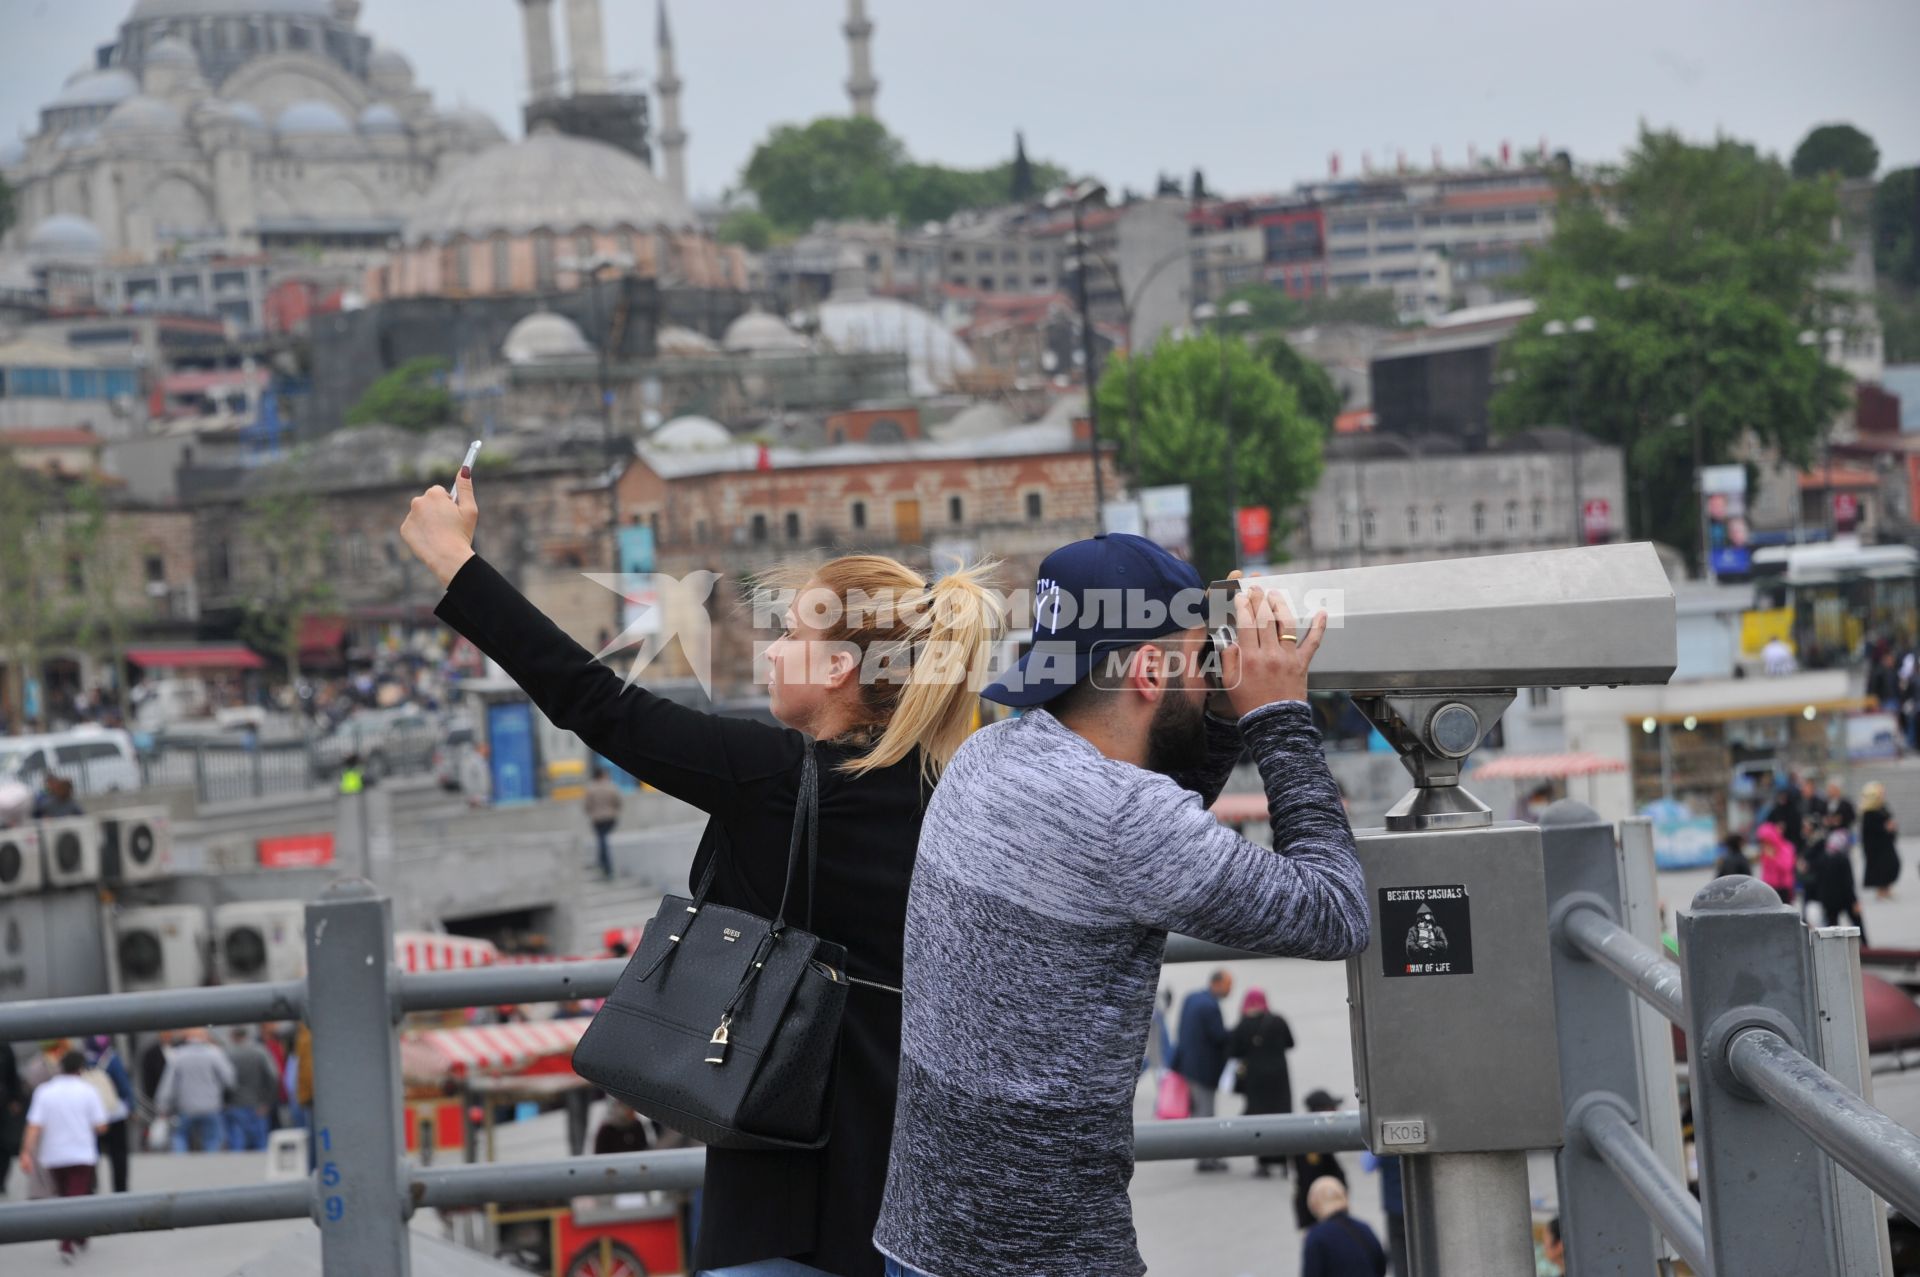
x=417 y=951
x=1546 y=766
x=432 y=1055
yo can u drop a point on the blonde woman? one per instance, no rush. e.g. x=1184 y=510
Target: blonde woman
x=1877 y=832
x=882 y=742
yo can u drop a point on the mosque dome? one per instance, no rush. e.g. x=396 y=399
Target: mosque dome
x=171 y=51
x=90 y=87
x=141 y=114
x=389 y=69
x=545 y=337
x=147 y=10
x=758 y=333
x=381 y=118
x=691 y=434
x=671 y=340
x=975 y=421
x=231 y=110
x=545 y=182
x=312 y=118
x=853 y=319
x=75 y=139
x=474 y=124
x=66 y=235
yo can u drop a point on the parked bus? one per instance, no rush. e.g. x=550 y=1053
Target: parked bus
x=1842 y=594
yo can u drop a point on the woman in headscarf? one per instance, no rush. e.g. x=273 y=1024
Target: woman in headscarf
x=1260 y=1042
x=1778 y=860
x=1877 y=831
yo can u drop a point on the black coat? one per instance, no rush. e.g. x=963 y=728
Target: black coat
x=1877 y=846
x=817 y=1207
x=1261 y=1042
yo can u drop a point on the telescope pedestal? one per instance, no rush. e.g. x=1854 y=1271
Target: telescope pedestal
x=1468 y=1213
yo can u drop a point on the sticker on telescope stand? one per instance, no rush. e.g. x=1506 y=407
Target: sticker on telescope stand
x=1425 y=931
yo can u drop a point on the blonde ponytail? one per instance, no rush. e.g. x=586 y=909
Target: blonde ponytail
x=952 y=639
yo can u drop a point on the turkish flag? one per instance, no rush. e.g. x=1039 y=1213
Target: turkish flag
x=765 y=460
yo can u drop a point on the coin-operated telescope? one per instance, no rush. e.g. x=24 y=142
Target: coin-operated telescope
x=1455 y=1060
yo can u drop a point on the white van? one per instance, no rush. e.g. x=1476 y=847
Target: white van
x=98 y=760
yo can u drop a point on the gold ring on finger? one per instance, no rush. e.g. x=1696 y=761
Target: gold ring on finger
x=1289 y=638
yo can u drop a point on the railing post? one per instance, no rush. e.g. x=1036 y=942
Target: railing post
x=1766 y=1189
x=1599 y=1030
x=1861 y=1245
x=360 y=1196
x=1659 y=1087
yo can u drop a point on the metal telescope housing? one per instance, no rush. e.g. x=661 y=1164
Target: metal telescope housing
x=1433 y=652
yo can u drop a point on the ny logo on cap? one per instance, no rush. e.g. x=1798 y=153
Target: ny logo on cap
x=1046 y=604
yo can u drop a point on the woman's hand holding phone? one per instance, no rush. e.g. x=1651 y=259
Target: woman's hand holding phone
x=439 y=531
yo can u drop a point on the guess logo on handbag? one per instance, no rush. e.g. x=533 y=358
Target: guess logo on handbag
x=729 y=934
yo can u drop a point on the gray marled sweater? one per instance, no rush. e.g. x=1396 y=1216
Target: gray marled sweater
x=1048 y=878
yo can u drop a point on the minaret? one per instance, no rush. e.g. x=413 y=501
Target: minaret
x=862 y=87
x=541 y=74
x=586 y=49
x=673 y=138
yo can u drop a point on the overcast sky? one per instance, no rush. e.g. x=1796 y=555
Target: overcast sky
x=1256 y=92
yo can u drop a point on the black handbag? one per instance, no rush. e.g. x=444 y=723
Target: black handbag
x=724 y=1025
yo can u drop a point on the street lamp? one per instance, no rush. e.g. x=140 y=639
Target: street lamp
x=1203 y=314
x=1556 y=328
x=589 y=269
x=1079 y=195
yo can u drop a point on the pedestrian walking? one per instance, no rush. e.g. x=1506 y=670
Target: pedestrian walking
x=1733 y=860
x=1260 y=1042
x=1833 y=888
x=64 y=1123
x=1160 y=1039
x=602 y=804
x=1201 y=1054
x=1338 y=1245
x=1877 y=846
x=1779 y=859
x=193 y=1093
x=1058 y=851
x=1311 y=1167
x=103 y=1061
x=254 y=1092
x=1393 y=1206
x=880 y=744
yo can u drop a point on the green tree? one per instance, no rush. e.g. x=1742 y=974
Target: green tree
x=8 y=210
x=1319 y=398
x=92 y=614
x=1896 y=228
x=1838 y=149
x=413 y=396
x=747 y=227
x=1182 y=438
x=288 y=532
x=23 y=570
x=839 y=167
x=1699 y=266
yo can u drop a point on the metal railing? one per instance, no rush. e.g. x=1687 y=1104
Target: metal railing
x=363 y=1190
x=1791 y=1151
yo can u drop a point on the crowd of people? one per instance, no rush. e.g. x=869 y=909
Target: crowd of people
x=1804 y=843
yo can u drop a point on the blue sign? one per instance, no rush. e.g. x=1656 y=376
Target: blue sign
x=510 y=751
x=1731 y=560
x=636 y=548
x=1681 y=839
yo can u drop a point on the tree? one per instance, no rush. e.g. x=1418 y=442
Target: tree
x=838 y=167
x=1838 y=149
x=413 y=396
x=1896 y=228
x=1319 y=398
x=286 y=529
x=1699 y=266
x=747 y=227
x=1197 y=189
x=93 y=615
x=1181 y=437
x=8 y=211
x=23 y=568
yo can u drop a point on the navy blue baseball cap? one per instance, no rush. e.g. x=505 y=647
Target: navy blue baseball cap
x=1096 y=596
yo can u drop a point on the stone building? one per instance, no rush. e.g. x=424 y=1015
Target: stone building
x=235 y=126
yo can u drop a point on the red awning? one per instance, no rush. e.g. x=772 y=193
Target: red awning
x=322 y=633
x=211 y=656
x=433 y=1054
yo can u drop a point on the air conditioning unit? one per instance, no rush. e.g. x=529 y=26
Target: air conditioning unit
x=258 y=941
x=21 y=870
x=161 y=947
x=136 y=845
x=71 y=847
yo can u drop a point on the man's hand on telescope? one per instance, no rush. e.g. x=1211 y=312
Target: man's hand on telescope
x=1268 y=659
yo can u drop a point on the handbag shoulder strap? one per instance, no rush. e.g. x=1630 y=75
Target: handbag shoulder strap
x=806 y=828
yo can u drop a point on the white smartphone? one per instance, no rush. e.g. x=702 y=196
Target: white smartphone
x=453 y=489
